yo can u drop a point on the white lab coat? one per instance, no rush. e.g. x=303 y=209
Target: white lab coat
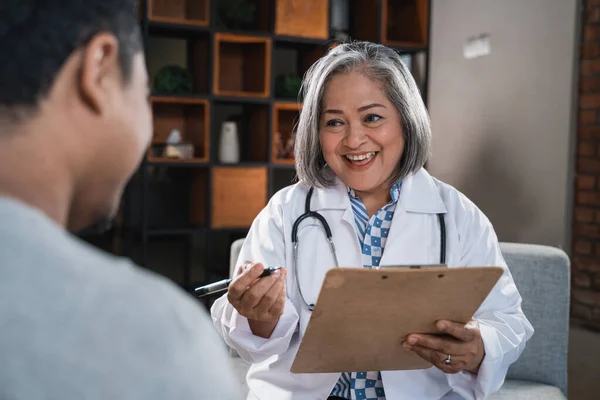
x=414 y=238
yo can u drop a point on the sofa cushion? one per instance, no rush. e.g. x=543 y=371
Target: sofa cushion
x=542 y=276
x=524 y=390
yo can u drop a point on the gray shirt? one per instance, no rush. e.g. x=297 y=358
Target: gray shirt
x=76 y=323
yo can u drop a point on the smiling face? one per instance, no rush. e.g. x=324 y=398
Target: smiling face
x=360 y=132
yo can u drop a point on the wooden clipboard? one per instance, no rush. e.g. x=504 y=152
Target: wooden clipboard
x=362 y=315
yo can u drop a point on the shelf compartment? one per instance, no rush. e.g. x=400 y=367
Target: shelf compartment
x=364 y=19
x=405 y=23
x=292 y=60
x=260 y=23
x=306 y=18
x=184 y=12
x=190 y=117
x=238 y=195
x=252 y=121
x=176 y=199
x=242 y=65
x=285 y=118
x=190 y=52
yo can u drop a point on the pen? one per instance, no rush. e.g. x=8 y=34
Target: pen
x=222 y=286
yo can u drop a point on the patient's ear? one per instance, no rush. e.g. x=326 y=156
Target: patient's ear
x=100 y=74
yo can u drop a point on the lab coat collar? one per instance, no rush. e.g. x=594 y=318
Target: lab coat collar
x=418 y=193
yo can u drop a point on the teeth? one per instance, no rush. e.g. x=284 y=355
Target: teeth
x=361 y=157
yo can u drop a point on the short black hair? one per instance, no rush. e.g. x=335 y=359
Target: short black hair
x=38 y=36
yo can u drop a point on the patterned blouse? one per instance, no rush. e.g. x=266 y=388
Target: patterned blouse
x=372 y=234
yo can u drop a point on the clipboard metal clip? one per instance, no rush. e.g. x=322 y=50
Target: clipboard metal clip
x=415 y=266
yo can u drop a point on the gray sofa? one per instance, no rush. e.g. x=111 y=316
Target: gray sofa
x=542 y=275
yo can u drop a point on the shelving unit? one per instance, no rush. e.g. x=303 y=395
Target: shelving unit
x=181 y=215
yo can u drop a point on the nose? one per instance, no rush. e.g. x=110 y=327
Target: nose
x=356 y=136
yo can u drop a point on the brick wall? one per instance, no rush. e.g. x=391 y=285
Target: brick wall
x=586 y=225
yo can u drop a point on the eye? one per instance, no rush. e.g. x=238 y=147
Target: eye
x=372 y=118
x=333 y=122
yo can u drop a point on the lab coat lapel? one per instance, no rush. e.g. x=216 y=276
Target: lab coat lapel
x=414 y=230
x=335 y=198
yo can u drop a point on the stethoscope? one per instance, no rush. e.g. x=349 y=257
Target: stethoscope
x=308 y=213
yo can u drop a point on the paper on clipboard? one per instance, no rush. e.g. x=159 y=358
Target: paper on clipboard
x=362 y=315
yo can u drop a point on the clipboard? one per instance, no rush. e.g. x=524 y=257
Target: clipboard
x=362 y=315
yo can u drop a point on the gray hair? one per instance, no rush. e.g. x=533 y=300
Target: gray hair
x=383 y=65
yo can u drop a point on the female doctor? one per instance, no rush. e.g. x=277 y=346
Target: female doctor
x=362 y=140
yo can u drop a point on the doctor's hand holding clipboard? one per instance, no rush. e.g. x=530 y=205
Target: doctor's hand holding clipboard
x=462 y=348
x=364 y=200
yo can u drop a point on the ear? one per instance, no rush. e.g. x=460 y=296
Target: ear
x=100 y=71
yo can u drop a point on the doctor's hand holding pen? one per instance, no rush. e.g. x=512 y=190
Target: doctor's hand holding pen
x=261 y=300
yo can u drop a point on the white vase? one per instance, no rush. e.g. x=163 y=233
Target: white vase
x=229 y=146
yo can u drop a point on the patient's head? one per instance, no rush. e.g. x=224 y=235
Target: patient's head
x=74 y=112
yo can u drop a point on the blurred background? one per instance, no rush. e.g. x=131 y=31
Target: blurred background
x=512 y=87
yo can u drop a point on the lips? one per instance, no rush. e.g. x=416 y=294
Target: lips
x=361 y=158
x=361 y=161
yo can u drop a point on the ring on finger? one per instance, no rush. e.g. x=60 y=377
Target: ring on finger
x=448 y=360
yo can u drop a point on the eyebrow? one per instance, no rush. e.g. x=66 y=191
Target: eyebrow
x=363 y=108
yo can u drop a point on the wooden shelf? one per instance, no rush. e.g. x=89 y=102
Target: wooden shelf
x=183 y=12
x=285 y=118
x=187 y=115
x=242 y=99
x=305 y=18
x=242 y=65
x=176 y=161
x=405 y=23
x=238 y=195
